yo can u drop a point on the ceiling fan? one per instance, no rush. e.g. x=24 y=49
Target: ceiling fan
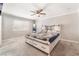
x=39 y=11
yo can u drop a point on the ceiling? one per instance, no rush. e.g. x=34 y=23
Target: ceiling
x=51 y=10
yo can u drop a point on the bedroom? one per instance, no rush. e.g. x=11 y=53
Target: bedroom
x=18 y=20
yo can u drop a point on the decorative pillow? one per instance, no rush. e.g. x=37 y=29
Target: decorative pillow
x=44 y=30
x=48 y=27
x=57 y=28
x=49 y=31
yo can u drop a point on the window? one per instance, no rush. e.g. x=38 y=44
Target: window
x=21 y=25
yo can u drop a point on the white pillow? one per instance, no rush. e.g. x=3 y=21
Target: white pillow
x=57 y=28
x=49 y=31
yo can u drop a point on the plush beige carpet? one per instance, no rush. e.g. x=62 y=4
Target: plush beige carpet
x=18 y=47
x=65 y=48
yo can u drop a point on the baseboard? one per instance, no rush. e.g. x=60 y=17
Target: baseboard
x=71 y=41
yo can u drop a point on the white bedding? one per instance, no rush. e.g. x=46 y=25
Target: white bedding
x=44 y=36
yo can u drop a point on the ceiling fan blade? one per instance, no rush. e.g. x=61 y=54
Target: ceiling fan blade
x=43 y=13
x=33 y=11
x=41 y=10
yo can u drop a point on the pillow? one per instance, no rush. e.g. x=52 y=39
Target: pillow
x=44 y=30
x=57 y=28
x=49 y=32
x=48 y=27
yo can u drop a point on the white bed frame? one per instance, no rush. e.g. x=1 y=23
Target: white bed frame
x=44 y=46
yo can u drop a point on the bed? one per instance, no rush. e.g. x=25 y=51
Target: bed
x=45 y=40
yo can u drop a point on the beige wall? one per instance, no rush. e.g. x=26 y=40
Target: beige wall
x=8 y=29
x=70 y=25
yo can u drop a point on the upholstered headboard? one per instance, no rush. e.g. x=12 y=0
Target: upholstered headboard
x=54 y=28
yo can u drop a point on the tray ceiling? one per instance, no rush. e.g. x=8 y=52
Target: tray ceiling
x=52 y=9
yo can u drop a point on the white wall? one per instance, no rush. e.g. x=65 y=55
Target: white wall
x=70 y=25
x=0 y=30
x=18 y=14
x=9 y=31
